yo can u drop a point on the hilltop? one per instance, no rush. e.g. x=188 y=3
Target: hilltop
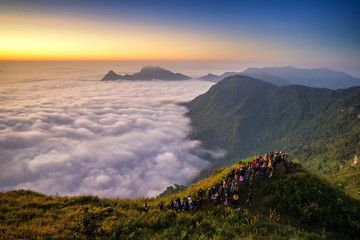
x=263 y=76
x=147 y=73
x=245 y=116
x=281 y=209
x=216 y=78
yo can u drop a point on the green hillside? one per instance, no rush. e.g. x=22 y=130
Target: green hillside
x=347 y=178
x=329 y=154
x=320 y=127
x=292 y=205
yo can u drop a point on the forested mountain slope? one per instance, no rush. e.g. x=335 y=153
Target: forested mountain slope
x=246 y=116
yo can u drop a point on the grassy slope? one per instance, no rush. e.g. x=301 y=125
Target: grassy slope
x=327 y=155
x=281 y=210
x=347 y=178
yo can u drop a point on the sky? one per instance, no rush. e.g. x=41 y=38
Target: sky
x=259 y=33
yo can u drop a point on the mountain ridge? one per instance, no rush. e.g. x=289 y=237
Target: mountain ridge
x=313 y=77
x=147 y=73
x=283 y=76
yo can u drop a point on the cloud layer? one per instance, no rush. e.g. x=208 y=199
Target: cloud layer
x=114 y=139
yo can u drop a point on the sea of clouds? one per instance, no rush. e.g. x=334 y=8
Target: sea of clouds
x=110 y=139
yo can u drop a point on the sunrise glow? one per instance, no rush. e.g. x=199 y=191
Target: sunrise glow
x=31 y=38
x=266 y=34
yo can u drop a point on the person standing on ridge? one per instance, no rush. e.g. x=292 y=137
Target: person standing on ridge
x=249 y=200
x=209 y=193
x=161 y=206
x=145 y=207
x=200 y=192
x=250 y=172
x=242 y=174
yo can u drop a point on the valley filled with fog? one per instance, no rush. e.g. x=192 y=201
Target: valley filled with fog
x=75 y=136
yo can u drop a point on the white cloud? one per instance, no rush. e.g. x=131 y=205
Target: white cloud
x=113 y=139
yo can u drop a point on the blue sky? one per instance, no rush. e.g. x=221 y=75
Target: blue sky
x=319 y=33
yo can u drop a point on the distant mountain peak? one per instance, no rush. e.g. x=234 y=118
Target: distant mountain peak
x=260 y=76
x=210 y=75
x=216 y=78
x=147 y=73
x=111 y=75
x=151 y=67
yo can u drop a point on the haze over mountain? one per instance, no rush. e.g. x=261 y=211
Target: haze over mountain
x=316 y=77
x=245 y=116
x=216 y=78
x=147 y=73
x=261 y=76
x=283 y=76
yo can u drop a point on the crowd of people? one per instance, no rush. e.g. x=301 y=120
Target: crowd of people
x=227 y=191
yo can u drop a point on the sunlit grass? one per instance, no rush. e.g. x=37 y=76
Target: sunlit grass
x=30 y=215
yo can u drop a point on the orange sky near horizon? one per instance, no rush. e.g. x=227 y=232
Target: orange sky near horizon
x=260 y=34
x=34 y=38
x=29 y=37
